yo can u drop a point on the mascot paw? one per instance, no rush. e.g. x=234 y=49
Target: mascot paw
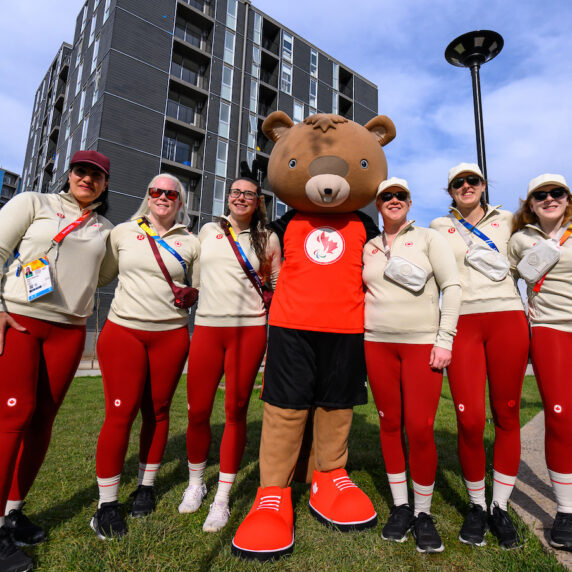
x=267 y=532
x=336 y=501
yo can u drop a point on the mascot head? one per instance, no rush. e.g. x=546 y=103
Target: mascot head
x=327 y=163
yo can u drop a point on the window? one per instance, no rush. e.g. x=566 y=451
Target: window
x=95 y=95
x=221 y=158
x=95 y=5
x=314 y=63
x=83 y=18
x=313 y=100
x=226 y=87
x=94 y=56
x=182 y=108
x=84 y=133
x=218 y=198
x=336 y=76
x=79 y=74
x=106 y=10
x=252 y=131
x=250 y=156
x=253 y=96
x=178 y=147
x=224 y=120
x=257 y=35
x=280 y=208
x=68 y=153
x=229 y=41
x=286 y=78
x=187 y=69
x=68 y=122
x=81 y=105
x=79 y=49
x=255 y=62
x=92 y=29
x=298 y=115
x=335 y=107
x=287 y=46
x=231 y=9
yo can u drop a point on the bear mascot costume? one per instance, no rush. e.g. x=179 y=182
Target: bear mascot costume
x=324 y=168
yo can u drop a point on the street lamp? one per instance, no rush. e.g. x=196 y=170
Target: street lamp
x=471 y=50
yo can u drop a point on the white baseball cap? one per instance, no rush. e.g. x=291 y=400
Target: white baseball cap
x=464 y=168
x=546 y=179
x=392 y=182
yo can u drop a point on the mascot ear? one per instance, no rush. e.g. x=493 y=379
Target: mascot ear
x=383 y=129
x=276 y=124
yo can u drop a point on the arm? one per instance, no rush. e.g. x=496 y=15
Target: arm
x=274 y=253
x=194 y=273
x=110 y=265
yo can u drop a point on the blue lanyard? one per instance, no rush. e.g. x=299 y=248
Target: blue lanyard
x=246 y=261
x=475 y=231
x=142 y=222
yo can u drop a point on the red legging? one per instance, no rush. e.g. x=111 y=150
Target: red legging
x=140 y=371
x=551 y=350
x=238 y=351
x=406 y=393
x=36 y=370
x=494 y=344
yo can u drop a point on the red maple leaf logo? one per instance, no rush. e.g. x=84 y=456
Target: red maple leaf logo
x=328 y=245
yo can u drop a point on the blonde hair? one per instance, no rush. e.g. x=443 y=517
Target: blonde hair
x=182 y=217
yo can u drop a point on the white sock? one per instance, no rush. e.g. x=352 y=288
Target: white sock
x=225 y=482
x=476 y=491
x=398 y=486
x=562 y=487
x=14 y=505
x=423 y=495
x=196 y=472
x=502 y=488
x=147 y=473
x=108 y=489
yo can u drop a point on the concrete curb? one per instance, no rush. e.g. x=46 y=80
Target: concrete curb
x=532 y=498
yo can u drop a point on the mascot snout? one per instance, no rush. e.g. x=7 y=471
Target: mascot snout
x=327 y=190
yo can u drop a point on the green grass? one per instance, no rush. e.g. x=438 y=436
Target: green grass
x=63 y=500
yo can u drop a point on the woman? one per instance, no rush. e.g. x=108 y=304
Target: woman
x=407 y=345
x=143 y=345
x=491 y=313
x=230 y=338
x=541 y=227
x=58 y=242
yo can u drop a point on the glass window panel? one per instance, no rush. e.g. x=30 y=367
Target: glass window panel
x=257 y=36
x=221 y=158
x=231 y=10
x=286 y=78
x=226 y=88
x=314 y=63
x=229 y=41
x=298 y=115
x=287 y=46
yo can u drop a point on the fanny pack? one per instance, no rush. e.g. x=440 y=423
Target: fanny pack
x=485 y=258
x=538 y=260
x=404 y=272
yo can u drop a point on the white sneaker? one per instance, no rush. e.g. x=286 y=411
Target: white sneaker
x=217 y=517
x=192 y=498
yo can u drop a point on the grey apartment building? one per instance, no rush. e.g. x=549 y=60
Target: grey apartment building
x=181 y=86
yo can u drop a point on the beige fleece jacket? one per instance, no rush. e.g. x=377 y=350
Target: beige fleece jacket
x=28 y=223
x=479 y=293
x=395 y=314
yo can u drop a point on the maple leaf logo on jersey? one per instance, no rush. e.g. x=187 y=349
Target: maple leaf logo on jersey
x=324 y=245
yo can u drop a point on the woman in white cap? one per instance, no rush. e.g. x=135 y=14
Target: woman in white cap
x=407 y=345
x=51 y=249
x=542 y=254
x=492 y=314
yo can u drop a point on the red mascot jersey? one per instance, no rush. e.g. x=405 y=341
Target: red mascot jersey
x=320 y=286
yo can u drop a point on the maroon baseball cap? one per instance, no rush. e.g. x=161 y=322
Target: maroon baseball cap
x=91 y=158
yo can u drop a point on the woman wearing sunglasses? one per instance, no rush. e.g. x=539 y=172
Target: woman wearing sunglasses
x=229 y=337
x=541 y=251
x=51 y=249
x=491 y=343
x=144 y=343
x=407 y=344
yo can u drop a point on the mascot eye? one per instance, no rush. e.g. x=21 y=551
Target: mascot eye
x=364 y=164
x=292 y=163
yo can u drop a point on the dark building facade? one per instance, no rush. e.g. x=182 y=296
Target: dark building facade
x=10 y=185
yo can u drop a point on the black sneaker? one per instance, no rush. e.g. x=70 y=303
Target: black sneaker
x=107 y=521
x=426 y=536
x=143 y=501
x=24 y=532
x=12 y=559
x=561 y=533
x=398 y=524
x=503 y=528
x=475 y=526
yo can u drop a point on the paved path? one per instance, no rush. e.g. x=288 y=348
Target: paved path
x=532 y=497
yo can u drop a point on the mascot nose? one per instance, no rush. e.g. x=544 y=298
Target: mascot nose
x=328 y=165
x=327 y=191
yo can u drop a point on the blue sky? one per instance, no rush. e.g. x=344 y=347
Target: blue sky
x=399 y=45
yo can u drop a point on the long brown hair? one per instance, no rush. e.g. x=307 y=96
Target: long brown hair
x=524 y=214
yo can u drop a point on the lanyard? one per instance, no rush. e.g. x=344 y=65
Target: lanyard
x=475 y=230
x=251 y=270
x=562 y=240
x=142 y=222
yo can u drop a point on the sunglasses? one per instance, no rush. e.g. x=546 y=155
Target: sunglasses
x=472 y=180
x=248 y=195
x=155 y=193
x=80 y=171
x=556 y=193
x=386 y=196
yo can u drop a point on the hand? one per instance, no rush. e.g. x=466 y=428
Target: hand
x=6 y=321
x=440 y=358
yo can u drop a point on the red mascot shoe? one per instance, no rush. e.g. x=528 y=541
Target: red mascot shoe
x=335 y=500
x=267 y=532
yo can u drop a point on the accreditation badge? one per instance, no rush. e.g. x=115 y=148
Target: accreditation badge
x=38 y=278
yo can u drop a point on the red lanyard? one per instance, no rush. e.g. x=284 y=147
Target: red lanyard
x=63 y=233
x=563 y=239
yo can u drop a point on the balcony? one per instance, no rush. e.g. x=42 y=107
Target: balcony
x=199 y=37
x=182 y=151
x=271 y=37
x=346 y=83
x=197 y=10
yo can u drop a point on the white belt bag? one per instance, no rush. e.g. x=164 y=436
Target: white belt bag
x=538 y=260
x=406 y=273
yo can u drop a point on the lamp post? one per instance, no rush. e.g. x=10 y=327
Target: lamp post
x=472 y=50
